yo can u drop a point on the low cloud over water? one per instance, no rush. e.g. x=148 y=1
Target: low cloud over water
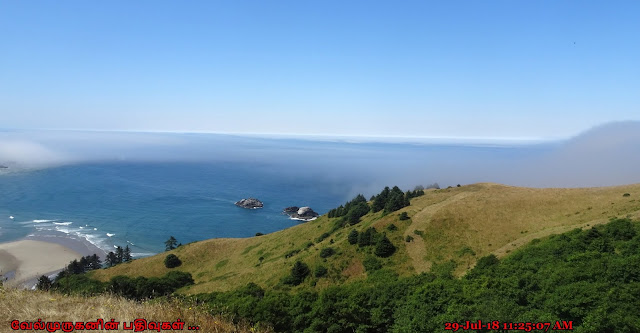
x=606 y=155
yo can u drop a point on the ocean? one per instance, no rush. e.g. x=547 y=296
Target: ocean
x=141 y=202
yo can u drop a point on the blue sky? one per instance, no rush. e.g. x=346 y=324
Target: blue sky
x=394 y=68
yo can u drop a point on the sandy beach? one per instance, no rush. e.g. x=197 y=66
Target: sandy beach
x=23 y=261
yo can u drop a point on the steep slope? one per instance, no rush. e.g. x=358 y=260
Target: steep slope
x=455 y=225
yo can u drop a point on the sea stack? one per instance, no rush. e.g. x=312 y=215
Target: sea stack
x=251 y=203
x=302 y=213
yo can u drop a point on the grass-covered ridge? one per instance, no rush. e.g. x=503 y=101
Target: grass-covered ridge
x=452 y=226
x=589 y=278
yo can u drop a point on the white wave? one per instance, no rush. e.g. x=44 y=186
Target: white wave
x=11 y=217
x=110 y=235
x=81 y=227
x=65 y=230
x=142 y=254
x=63 y=223
x=298 y=219
x=42 y=221
x=95 y=228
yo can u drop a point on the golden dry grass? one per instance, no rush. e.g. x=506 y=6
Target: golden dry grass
x=459 y=224
x=30 y=306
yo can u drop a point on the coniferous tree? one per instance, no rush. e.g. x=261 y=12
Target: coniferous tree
x=94 y=262
x=44 y=283
x=170 y=244
x=380 y=200
x=126 y=255
x=384 y=247
x=353 y=237
x=119 y=254
x=111 y=259
x=299 y=272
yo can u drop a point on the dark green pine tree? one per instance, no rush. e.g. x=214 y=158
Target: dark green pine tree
x=44 y=283
x=170 y=244
x=353 y=237
x=126 y=255
x=384 y=247
x=380 y=200
x=94 y=262
x=367 y=237
x=395 y=200
x=111 y=260
x=119 y=254
x=299 y=272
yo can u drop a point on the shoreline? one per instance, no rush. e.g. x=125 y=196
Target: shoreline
x=23 y=261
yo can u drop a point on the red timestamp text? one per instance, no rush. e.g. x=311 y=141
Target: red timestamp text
x=508 y=326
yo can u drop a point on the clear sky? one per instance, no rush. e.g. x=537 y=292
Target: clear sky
x=397 y=68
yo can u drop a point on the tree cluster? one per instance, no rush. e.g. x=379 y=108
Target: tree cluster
x=383 y=246
x=121 y=255
x=391 y=200
x=138 y=288
x=352 y=211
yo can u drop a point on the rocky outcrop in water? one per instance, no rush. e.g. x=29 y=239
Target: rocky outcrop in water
x=292 y=209
x=251 y=203
x=302 y=213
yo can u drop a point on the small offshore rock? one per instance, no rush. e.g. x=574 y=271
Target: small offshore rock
x=250 y=203
x=302 y=213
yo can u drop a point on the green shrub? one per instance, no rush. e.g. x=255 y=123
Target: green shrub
x=371 y=264
x=626 y=195
x=320 y=271
x=403 y=216
x=322 y=237
x=327 y=252
x=172 y=261
x=392 y=227
x=408 y=239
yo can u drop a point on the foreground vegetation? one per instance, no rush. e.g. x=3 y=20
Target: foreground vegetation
x=29 y=306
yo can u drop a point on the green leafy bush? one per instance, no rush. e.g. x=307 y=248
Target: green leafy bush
x=327 y=252
x=172 y=261
x=320 y=271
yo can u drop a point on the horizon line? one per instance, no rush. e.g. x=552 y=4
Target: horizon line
x=323 y=136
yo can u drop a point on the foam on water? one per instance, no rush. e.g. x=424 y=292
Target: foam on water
x=63 y=223
x=110 y=235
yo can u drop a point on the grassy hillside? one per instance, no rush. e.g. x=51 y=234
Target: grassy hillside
x=30 y=306
x=448 y=226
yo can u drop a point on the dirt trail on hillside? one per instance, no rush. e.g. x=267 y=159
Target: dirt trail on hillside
x=416 y=248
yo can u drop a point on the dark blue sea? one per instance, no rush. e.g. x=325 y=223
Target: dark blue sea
x=141 y=195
